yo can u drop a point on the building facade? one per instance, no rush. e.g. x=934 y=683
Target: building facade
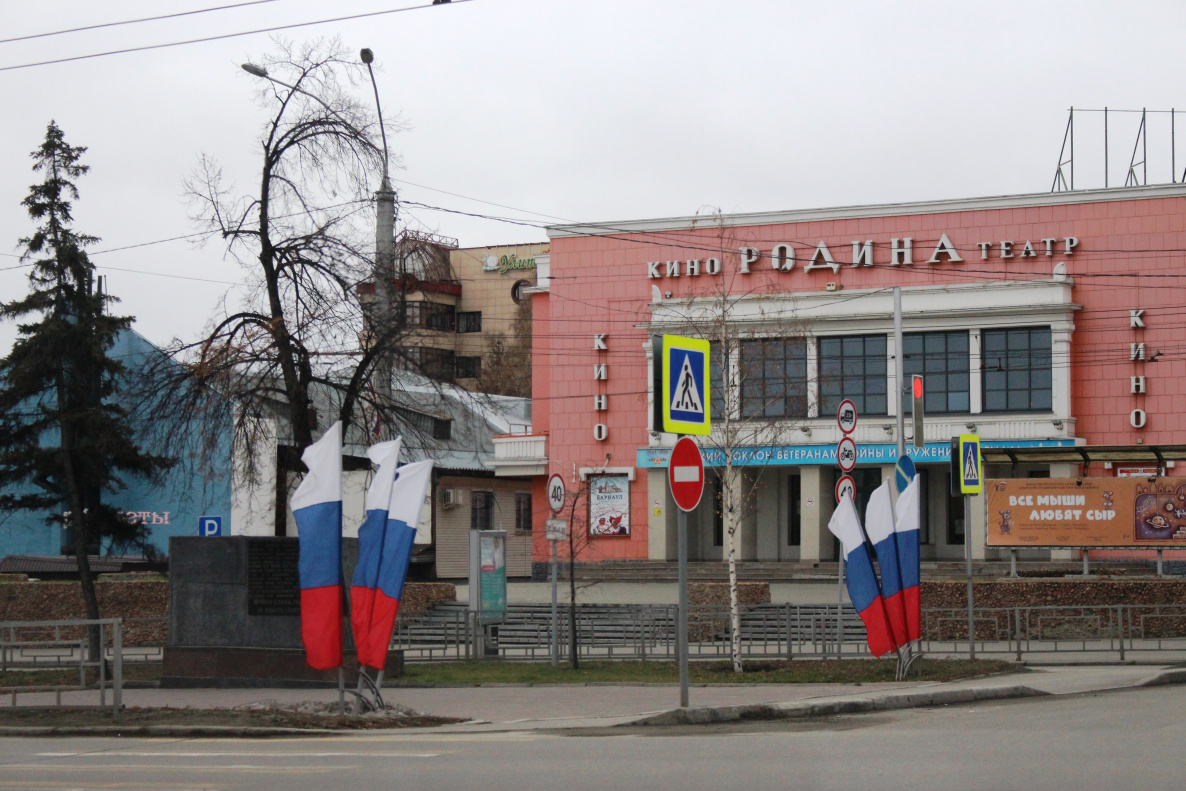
x=1042 y=320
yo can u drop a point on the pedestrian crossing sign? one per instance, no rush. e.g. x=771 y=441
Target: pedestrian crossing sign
x=971 y=474
x=682 y=385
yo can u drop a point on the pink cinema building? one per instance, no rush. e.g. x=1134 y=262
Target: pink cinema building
x=1047 y=324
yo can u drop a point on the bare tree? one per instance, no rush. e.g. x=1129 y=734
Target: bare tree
x=749 y=408
x=302 y=341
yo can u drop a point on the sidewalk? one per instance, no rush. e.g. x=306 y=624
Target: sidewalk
x=514 y=708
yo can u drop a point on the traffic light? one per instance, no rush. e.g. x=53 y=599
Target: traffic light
x=916 y=391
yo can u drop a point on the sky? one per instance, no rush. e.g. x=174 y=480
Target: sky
x=579 y=110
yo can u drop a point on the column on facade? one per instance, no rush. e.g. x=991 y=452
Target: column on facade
x=817 y=493
x=770 y=516
x=745 y=494
x=662 y=536
x=1064 y=471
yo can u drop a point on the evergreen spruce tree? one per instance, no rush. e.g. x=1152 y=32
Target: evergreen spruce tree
x=63 y=439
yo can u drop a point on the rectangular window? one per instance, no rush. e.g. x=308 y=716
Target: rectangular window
x=794 y=511
x=1017 y=370
x=718 y=512
x=469 y=321
x=955 y=520
x=433 y=363
x=442 y=428
x=481 y=510
x=773 y=375
x=430 y=315
x=522 y=512
x=469 y=367
x=942 y=360
x=853 y=367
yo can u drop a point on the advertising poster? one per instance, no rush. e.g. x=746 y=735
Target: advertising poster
x=609 y=505
x=493 y=574
x=1087 y=512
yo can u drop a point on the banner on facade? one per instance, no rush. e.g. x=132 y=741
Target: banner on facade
x=1087 y=512
x=609 y=505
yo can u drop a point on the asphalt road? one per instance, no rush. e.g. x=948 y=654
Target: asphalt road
x=1123 y=740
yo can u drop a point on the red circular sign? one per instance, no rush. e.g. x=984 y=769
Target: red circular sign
x=685 y=474
x=846 y=454
x=846 y=486
x=556 y=493
x=846 y=416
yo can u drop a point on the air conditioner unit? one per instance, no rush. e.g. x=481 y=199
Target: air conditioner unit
x=451 y=498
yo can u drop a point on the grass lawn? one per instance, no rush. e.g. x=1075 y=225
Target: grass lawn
x=799 y=671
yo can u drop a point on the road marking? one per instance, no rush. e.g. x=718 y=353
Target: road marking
x=75 y=768
x=285 y=756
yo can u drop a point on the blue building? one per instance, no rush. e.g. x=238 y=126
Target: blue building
x=194 y=491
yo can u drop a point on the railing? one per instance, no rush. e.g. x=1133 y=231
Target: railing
x=47 y=645
x=789 y=631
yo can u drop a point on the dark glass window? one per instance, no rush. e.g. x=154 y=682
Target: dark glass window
x=1017 y=365
x=942 y=360
x=481 y=510
x=433 y=363
x=523 y=512
x=469 y=367
x=794 y=511
x=774 y=378
x=853 y=367
x=718 y=512
x=469 y=321
x=430 y=315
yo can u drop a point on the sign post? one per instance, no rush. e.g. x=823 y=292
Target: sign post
x=846 y=457
x=967 y=475
x=555 y=530
x=685 y=476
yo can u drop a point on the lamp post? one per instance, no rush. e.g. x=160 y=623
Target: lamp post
x=384 y=270
x=384 y=275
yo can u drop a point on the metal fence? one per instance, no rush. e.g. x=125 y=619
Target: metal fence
x=37 y=646
x=789 y=631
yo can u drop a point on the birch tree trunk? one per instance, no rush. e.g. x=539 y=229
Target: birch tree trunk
x=732 y=518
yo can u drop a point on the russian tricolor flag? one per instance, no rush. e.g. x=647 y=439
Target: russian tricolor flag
x=384 y=552
x=862 y=582
x=317 y=506
x=906 y=537
x=879 y=526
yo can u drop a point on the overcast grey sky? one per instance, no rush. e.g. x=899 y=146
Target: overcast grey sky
x=584 y=111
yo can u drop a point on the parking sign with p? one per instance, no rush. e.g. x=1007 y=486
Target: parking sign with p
x=210 y=525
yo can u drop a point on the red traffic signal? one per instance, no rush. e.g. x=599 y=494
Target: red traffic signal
x=916 y=388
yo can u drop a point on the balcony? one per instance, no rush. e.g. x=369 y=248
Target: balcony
x=520 y=454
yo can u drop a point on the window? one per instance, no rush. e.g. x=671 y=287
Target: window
x=853 y=367
x=430 y=315
x=442 y=428
x=794 y=511
x=517 y=291
x=774 y=378
x=469 y=367
x=718 y=399
x=469 y=321
x=718 y=512
x=425 y=424
x=481 y=510
x=522 y=512
x=433 y=363
x=1017 y=367
x=942 y=359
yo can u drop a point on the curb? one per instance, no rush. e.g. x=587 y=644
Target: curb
x=805 y=709
x=181 y=731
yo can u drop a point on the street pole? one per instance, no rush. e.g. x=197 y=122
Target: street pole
x=384 y=274
x=968 y=557
x=682 y=625
x=840 y=603
x=555 y=612
x=899 y=370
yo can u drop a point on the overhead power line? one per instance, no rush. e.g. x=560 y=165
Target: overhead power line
x=226 y=36
x=132 y=21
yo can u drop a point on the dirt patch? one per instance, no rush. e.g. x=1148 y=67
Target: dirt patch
x=266 y=714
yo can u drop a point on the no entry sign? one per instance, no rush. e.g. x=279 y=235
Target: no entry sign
x=685 y=474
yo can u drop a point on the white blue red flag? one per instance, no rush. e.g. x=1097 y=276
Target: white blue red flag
x=906 y=536
x=384 y=553
x=317 y=506
x=879 y=526
x=385 y=457
x=862 y=582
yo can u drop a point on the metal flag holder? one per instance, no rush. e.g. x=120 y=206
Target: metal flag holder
x=369 y=695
